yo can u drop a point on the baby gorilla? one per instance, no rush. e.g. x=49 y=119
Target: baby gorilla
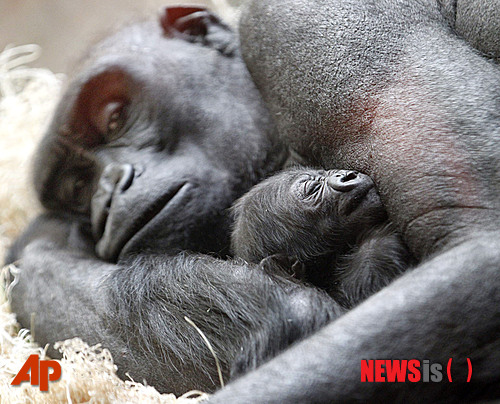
x=328 y=228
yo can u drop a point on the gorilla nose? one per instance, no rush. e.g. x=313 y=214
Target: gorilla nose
x=344 y=181
x=116 y=178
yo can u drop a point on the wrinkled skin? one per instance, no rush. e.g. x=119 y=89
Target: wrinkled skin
x=390 y=89
x=155 y=137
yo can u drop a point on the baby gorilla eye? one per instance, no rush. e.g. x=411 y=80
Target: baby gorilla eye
x=311 y=187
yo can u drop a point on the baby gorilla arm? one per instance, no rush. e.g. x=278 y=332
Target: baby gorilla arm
x=137 y=308
x=379 y=258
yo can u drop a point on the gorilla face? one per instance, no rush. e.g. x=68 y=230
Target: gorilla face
x=305 y=214
x=155 y=137
x=341 y=194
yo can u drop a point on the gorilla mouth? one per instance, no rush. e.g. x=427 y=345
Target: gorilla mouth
x=111 y=244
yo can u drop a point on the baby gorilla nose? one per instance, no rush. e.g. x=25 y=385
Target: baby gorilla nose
x=344 y=181
x=350 y=176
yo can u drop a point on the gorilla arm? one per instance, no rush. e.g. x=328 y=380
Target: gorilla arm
x=136 y=308
x=430 y=141
x=417 y=311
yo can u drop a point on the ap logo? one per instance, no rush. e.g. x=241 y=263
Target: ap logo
x=37 y=372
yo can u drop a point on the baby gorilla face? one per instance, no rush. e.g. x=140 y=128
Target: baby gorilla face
x=335 y=193
x=305 y=213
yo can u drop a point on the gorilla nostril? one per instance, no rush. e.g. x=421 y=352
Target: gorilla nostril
x=349 y=176
x=344 y=181
x=126 y=175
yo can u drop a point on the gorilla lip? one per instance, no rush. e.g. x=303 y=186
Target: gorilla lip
x=111 y=248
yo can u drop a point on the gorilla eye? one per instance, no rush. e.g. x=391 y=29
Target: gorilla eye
x=110 y=119
x=72 y=192
x=77 y=188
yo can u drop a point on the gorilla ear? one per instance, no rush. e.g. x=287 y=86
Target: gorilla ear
x=198 y=25
x=182 y=19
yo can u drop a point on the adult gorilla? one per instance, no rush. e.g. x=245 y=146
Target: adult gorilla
x=155 y=137
x=391 y=89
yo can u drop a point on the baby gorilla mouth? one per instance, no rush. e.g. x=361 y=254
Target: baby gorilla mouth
x=113 y=218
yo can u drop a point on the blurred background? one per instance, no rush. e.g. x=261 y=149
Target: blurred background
x=65 y=28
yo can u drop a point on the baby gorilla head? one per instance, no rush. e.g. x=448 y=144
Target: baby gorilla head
x=305 y=214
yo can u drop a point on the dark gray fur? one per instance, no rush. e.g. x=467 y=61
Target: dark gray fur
x=391 y=89
x=388 y=88
x=136 y=308
x=193 y=135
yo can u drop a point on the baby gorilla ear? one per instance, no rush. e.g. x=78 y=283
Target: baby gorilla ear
x=198 y=25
